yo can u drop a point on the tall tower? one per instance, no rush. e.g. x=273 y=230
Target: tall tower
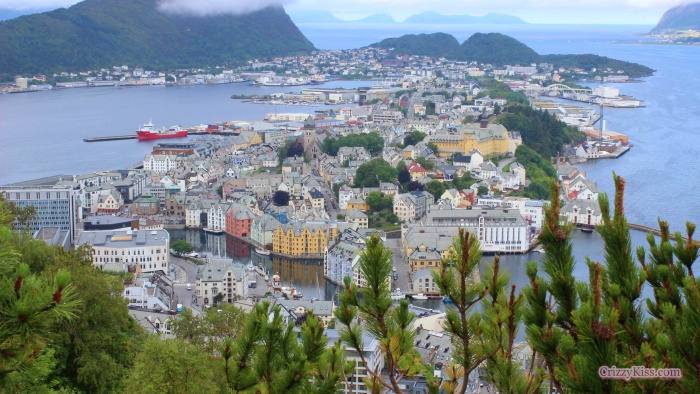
x=310 y=146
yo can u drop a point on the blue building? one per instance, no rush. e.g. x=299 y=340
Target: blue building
x=55 y=200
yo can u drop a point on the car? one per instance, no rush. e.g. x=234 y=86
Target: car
x=189 y=286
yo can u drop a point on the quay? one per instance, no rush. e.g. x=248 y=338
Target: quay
x=133 y=136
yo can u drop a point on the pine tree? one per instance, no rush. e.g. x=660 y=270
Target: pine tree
x=267 y=356
x=30 y=307
x=370 y=308
x=458 y=280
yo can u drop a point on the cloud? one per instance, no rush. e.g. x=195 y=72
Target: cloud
x=21 y=5
x=212 y=7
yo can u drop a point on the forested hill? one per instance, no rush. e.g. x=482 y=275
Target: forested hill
x=682 y=17
x=499 y=49
x=100 y=33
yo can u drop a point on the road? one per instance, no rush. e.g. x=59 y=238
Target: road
x=503 y=163
x=184 y=271
x=402 y=279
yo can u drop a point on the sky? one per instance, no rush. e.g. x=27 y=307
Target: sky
x=533 y=11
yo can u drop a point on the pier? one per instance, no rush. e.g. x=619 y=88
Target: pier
x=133 y=136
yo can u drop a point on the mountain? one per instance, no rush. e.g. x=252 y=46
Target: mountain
x=314 y=17
x=499 y=49
x=434 y=18
x=434 y=45
x=101 y=33
x=682 y=17
x=496 y=48
x=376 y=18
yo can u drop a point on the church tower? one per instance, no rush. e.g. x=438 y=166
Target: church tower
x=310 y=144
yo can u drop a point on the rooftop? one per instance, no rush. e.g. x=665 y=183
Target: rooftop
x=125 y=238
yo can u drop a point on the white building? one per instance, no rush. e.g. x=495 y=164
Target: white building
x=216 y=217
x=128 y=250
x=372 y=354
x=582 y=213
x=498 y=230
x=411 y=206
x=159 y=164
x=222 y=278
x=341 y=258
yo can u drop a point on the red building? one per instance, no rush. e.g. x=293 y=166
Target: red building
x=238 y=222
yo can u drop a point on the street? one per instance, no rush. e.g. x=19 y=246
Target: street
x=402 y=272
x=183 y=272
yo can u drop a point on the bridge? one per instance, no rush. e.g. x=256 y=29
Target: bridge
x=638 y=227
x=558 y=89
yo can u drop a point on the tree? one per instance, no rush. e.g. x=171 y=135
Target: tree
x=378 y=202
x=267 y=356
x=427 y=164
x=280 y=198
x=374 y=171
x=97 y=349
x=413 y=138
x=483 y=190
x=577 y=327
x=458 y=280
x=414 y=186
x=390 y=325
x=433 y=147
x=373 y=142
x=172 y=366
x=436 y=188
x=181 y=246
x=403 y=176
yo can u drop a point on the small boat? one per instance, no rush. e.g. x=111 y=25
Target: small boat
x=213 y=231
x=262 y=252
x=587 y=229
x=447 y=300
x=397 y=295
x=419 y=297
x=276 y=282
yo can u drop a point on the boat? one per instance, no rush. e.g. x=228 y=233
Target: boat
x=213 y=231
x=149 y=133
x=447 y=300
x=397 y=295
x=262 y=251
x=276 y=282
x=419 y=297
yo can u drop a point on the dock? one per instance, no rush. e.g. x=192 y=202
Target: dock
x=133 y=136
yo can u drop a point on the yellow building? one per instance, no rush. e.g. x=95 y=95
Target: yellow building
x=307 y=238
x=358 y=204
x=489 y=139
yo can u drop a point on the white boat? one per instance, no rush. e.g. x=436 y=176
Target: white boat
x=419 y=296
x=397 y=295
x=212 y=231
x=261 y=251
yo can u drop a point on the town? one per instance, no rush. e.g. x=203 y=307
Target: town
x=412 y=160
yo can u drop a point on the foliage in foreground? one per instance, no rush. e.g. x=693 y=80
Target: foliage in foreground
x=74 y=333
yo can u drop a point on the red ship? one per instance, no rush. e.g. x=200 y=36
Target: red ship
x=149 y=133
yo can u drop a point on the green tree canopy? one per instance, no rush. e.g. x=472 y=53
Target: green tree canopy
x=373 y=172
x=370 y=141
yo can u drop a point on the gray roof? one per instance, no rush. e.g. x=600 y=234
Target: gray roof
x=318 y=308
x=216 y=269
x=125 y=238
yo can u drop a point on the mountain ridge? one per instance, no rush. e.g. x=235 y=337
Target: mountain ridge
x=681 y=17
x=500 y=49
x=102 y=33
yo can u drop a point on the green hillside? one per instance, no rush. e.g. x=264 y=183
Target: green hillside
x=99 y=33
x=500 y=49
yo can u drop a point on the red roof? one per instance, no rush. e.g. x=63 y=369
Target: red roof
x=416 y=167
